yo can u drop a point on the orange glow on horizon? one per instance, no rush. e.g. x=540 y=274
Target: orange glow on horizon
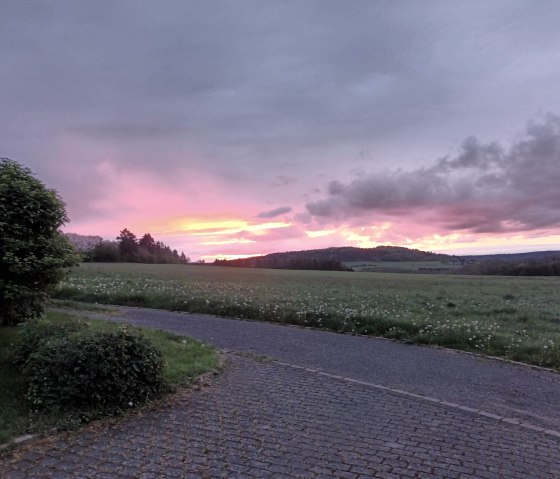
x=229 y=241
x=319 y=234
x=230 y=256
x=200 y=224
x=219 y=236
x=212 y=227
x=469 y=244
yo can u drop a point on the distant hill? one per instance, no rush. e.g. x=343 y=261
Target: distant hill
x=336 y=258
x=398 y=259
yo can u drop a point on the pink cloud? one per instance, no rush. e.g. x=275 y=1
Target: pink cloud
x=484 y=196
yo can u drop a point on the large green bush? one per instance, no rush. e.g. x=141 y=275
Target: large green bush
x=100 y=370
x=33 y=252
x=37 y=331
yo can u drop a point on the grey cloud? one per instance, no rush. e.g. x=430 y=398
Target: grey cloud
x=275 y=212
x=303 y=218
x=484 y=189
x=234 y=88
x=473 y=155
x=282 y=180
x=267 y=75
x=130 y=130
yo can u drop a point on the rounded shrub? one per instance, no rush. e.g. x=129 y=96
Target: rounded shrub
x=37 y=331
x=100 y=370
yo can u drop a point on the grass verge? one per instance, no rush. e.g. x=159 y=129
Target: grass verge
x=185 y=359
x=78 y=306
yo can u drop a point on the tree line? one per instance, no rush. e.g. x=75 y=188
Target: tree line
x=277 y=262
x=549 y=266
x=129 y=249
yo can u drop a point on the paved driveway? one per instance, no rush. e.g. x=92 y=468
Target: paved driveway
x=325 y=405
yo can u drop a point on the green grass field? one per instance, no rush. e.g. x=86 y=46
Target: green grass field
x=511 y=317
x=185 y=359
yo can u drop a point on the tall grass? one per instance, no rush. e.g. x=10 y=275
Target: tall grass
x=512 y=317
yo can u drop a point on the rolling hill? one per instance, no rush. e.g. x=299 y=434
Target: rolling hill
x=337 y=258
x=380 y=259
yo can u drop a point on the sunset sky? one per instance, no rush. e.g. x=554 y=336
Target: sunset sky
x=234 y=128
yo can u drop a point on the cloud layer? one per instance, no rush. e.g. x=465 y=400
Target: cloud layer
x=485 y=189
x=275 y=212
x=141 y=112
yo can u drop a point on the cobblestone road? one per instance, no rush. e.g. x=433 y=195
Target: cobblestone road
x=283 y=419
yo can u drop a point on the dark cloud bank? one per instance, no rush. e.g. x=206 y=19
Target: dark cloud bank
x=274 y=213
x=485 y=189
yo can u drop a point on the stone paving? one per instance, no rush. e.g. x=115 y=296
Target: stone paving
x=270 y=419
x=496 y=386
x=267 y=419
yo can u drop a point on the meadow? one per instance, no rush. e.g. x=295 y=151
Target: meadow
x=512 y=317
